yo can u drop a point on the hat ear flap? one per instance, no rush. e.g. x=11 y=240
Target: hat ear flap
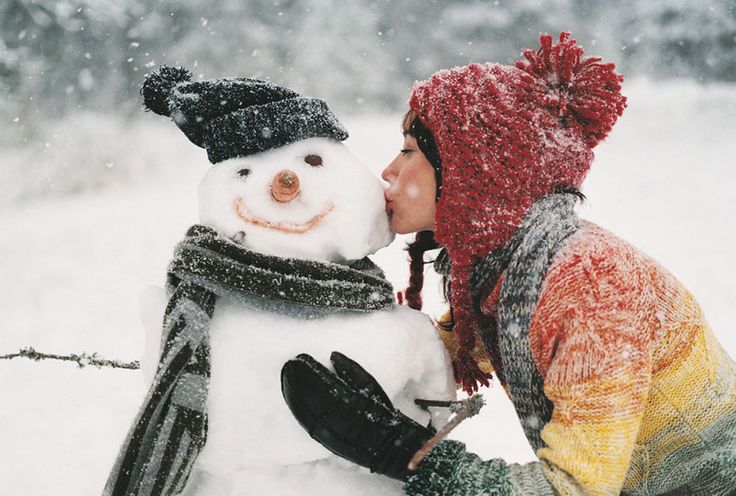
x=157 y=86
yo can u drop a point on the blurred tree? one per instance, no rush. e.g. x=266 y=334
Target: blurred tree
x=681 y=38
x=58 y=56
x=341 y=60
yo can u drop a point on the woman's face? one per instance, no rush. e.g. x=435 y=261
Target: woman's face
x=410 y=197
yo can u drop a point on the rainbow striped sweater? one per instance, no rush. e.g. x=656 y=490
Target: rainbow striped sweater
x=639 y=398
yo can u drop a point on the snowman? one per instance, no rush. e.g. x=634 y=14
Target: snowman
x=277 y=266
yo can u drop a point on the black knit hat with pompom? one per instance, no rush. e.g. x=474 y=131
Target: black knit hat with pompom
x=235 y=117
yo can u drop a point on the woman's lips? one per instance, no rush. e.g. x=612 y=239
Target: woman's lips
x=389 y=203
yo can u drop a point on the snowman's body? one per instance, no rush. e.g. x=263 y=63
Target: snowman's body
x=254 y=445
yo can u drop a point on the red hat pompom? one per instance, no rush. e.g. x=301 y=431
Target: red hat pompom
x=583 y=92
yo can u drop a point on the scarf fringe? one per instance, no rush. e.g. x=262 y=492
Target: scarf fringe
x=469 y=375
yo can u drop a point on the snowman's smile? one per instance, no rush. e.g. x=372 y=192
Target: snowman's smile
x=241 y=210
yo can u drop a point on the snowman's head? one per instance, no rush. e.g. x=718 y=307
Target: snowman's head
x=311 y=199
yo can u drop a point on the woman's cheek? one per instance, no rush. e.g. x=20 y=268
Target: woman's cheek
x=412 y=191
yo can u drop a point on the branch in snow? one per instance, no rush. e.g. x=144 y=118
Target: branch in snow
x=462 y=410
x=82 y=360
x=443 y=403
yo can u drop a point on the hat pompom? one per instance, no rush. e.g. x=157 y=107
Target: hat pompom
x=583 y=92
x=158 y=85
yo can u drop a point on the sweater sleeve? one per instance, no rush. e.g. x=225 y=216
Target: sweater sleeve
x=598 y=402
x=449 y=470
x=590 y=339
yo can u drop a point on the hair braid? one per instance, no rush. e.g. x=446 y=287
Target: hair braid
x=423 y=242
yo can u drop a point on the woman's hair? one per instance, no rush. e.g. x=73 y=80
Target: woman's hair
x=424 y=240
x=411 y=125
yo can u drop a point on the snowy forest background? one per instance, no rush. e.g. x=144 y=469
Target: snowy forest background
x=67 y=61
x=94 y=193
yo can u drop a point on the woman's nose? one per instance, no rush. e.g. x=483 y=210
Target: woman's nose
x=389 y=174
x=285 y=186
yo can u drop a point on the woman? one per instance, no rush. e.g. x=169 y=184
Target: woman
x=617 y=379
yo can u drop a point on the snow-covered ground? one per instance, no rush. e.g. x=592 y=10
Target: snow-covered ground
x=73 y=266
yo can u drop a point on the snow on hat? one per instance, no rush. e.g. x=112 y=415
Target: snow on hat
x=508 y=135
x=235 y=117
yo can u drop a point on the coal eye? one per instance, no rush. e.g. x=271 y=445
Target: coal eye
x=244 y=173
x=313 y=160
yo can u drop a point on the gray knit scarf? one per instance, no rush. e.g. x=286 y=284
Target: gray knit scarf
x=171 y=426
x=524 y=261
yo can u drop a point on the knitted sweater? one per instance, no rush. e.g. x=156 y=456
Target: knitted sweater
x=643 y=396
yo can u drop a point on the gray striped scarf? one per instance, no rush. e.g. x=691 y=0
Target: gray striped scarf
x=171 y=426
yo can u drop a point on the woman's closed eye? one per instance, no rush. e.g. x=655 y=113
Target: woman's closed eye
x=406 y=150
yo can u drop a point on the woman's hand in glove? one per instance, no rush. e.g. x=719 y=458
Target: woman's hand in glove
x=348 y=412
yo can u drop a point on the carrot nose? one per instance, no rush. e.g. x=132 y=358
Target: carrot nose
x=285 y=186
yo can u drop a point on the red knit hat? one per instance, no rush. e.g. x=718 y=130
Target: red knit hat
x=506 y=137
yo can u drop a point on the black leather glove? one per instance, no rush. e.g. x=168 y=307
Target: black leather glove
x=349 y=413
